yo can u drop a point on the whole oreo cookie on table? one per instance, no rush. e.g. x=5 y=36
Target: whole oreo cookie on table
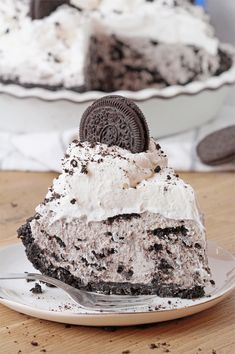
x=42 y=8
x=115 y=120
x=218 y=148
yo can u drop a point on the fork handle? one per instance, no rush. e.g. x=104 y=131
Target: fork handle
x=35 y=276
x=27 y=276
x=13 y=276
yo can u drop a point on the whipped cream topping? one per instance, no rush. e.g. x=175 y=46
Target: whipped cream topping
x=99 y=182
x=52 y=51
x=12 y=14
x=49 y=51
x=161 y=21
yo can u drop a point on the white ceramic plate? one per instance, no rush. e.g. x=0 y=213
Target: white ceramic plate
x=54 y=305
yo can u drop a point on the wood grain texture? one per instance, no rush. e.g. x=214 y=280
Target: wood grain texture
x=211 y=330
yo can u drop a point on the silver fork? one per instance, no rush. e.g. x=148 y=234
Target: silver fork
x=87 y=300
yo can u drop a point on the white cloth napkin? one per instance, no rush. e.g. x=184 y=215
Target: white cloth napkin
x=43 y=151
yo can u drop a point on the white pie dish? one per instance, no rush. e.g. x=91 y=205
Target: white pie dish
x=169 y=110
x=53 y=304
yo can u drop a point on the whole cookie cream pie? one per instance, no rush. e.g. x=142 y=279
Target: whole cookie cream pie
x=118 y=220
x=107 y=45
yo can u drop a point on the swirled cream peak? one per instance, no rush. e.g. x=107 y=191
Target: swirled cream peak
x=99 y=182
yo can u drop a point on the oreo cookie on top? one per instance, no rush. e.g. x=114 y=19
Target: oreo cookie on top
x=115 y=120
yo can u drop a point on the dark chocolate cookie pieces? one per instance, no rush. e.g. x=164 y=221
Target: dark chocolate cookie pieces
x=218 y=148
x=115 y=120
x=43 y=8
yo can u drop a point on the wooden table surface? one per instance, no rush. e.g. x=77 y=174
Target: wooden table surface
x=212 y=331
